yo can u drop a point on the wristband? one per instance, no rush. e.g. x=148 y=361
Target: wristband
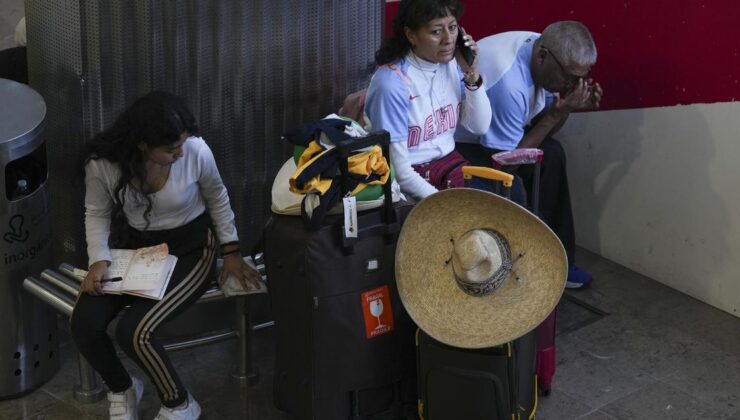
x=233 y=251
x=474 y=86
x=228 y=244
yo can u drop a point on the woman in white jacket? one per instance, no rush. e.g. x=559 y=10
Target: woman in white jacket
x=422 y=91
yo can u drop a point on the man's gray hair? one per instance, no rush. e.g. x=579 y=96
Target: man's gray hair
x=570 y=41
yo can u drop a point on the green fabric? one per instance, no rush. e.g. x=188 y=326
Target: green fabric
x=369 y=193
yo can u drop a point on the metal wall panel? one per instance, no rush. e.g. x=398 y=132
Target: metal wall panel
x=249 y=70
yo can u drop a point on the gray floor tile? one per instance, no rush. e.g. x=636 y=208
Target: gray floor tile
x=668 y=354
x=735 y=416
x=595 y=264
x=596 y=415
x=60 y=411
x=660 y=401
x=29 y=405
x=560 y=406
x=706 y=323
x=574 y=314
x=628 y=293
x=594 y=378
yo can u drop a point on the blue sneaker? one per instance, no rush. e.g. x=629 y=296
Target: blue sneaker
x=577 y=278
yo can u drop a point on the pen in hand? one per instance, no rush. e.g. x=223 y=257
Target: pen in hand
x=111 y=280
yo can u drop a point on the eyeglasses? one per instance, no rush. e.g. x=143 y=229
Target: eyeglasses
x=569 y=78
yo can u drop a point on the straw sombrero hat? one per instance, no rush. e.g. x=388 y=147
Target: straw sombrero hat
x=475 y=270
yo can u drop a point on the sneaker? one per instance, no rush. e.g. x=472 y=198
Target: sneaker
x=124 y=405
x=577 y=278
x=190 y=412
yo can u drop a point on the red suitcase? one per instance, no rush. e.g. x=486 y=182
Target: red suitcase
x=546 y=330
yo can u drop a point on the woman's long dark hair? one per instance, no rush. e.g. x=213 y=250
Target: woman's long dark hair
x=413 y=14
x=156 y=119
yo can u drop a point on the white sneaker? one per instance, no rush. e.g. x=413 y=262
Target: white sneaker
x=124 y=405
x=189 y=412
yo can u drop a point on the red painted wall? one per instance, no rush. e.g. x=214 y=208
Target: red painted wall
x=651 y=52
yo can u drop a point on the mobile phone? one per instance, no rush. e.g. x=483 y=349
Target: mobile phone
x=467 y=53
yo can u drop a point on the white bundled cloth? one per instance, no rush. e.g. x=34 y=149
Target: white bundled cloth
x=289 y=203
x=233 y=287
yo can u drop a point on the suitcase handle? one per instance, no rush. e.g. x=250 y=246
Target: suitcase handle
x=525 y=156
x=346 y=148
x=487 y=173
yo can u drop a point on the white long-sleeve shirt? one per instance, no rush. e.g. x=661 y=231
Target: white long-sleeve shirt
x=421 y=108
x=194 y=185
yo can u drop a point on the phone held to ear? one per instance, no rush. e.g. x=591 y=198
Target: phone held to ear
x=467 y=53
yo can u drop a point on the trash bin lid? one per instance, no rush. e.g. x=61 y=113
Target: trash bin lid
x=23 y=113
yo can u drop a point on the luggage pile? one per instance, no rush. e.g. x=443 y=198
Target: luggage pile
x=345 y=345
x=348 y=277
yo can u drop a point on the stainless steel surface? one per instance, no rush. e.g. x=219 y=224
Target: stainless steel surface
x=20 y=129
x=88 y=389
x=244 y=373
x=263 y=325
x=250 y=70
x=212 y=295
x=199 y=341
x=49 y=295
x=28 y=344
x=68 y=270
x=70 y=286
x=58 y=288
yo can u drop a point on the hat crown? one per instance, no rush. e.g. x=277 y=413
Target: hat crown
x=481 y=260
x=477 y=255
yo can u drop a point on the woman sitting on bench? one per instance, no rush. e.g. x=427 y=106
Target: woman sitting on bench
x=149 y=180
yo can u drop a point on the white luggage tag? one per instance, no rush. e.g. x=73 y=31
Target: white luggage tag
x=350 y=216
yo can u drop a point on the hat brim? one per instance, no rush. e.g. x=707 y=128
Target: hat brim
x=426 y=281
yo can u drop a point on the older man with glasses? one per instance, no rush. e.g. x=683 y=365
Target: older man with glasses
x=534 y=81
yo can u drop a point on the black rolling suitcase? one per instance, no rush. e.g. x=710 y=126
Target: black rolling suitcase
x=344 y=342
x=494 y=383
x=487 y=384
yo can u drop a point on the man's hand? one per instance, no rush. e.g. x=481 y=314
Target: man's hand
x=585 y=95
x=596 y=93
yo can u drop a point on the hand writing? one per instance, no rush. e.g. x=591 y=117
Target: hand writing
x=91 y=284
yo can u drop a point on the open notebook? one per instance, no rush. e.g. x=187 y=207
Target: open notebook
x=141 y=272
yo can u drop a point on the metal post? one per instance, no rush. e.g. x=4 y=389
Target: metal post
x=244 y=373
x=88 y=390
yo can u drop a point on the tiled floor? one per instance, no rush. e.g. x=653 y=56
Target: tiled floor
x=628 y=348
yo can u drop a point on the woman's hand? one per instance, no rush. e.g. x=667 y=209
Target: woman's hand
x=235 y=265
x=469 y=70
x=91 y=283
